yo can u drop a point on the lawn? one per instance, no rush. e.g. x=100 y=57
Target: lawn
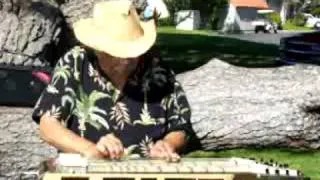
x=291 y=26
x=186 y=50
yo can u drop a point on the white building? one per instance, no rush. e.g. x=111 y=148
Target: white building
x=239 y=14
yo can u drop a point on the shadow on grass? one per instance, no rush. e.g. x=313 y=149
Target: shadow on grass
x=185 y=52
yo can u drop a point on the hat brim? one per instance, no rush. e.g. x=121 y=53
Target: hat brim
x=88 y=33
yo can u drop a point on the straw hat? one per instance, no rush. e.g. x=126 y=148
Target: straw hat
x=116 y=29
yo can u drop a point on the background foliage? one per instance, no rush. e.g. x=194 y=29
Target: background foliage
x=316 y=11
x=298 y=20
x=275 y=17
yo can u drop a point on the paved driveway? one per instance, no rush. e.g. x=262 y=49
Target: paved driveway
x=261 y=37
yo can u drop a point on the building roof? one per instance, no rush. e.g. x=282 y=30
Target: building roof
x=260 y=4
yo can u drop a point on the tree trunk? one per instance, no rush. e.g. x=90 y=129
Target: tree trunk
x=74 y=10
x=30 y=33
x=284 y=11
x=21 y=148
x=240 y=107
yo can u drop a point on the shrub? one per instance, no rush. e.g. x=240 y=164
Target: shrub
x=298 y=20
x=316 y=11
x=275 y=17
x=165 y=22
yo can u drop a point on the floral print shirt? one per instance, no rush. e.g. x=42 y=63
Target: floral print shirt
x=84 y=100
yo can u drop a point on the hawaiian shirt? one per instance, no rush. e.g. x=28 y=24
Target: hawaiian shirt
x=83 y=98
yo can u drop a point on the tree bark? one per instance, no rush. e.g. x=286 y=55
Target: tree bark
x=239 y=107
x=74 y=10
x=30 y=33
x=37 y=32
x=284 y=11
x=21 y=148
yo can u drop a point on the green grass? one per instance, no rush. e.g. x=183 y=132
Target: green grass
x=186 y=50
x=290 y=26
x=306 y=161
x=173 y=30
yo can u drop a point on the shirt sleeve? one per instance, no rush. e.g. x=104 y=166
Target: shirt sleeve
x=178 y=109
x=58 y=98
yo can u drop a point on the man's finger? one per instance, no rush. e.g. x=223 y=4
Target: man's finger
x=164 y=151
x=168 y=147
x=173 y=156
x=102 y=148
x=113 y=145
x=113 y=149
x=156 y=153
x=106 y=142
x=119 y=146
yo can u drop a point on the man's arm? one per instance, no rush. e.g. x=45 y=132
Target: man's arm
x=169 y=147
x=58 y=136
x=177 y=140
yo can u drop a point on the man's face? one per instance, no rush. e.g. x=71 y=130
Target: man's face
x=118 y=64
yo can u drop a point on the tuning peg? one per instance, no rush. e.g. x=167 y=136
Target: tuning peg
x=266 y=163
x=271 y=161
x=267 y=171
x=300 y=173
x=261 y=160
x=287 y=172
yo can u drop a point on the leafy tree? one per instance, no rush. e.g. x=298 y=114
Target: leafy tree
x=316 y=11
x=175 y=6
x=303 y=6
x=209 y=10
x=307 y=6
x=299 y=20
x=314 y=7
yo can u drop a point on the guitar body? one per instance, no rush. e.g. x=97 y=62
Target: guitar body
x=72 y=167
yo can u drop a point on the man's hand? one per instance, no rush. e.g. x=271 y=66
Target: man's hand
x=110 y=146
x=163 y=150
x=92 y=152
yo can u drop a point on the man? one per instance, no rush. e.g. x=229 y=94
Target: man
x=111 y=97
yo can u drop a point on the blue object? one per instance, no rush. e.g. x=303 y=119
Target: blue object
x=148 y=13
